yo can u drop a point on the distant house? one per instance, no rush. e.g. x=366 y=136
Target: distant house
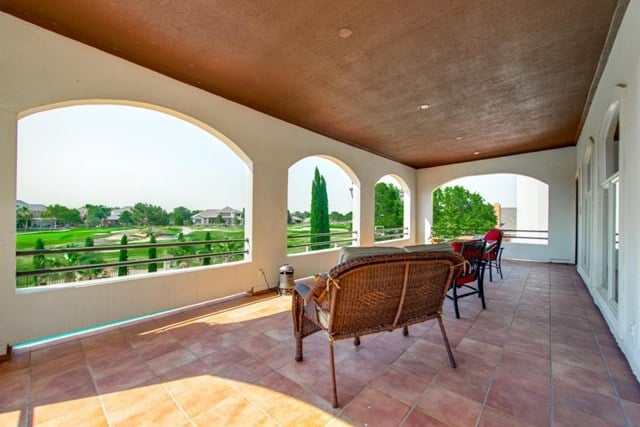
x=230 y=215
x=113 y=220
x=208 y=216
x=36 y=210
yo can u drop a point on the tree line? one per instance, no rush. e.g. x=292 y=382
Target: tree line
x=143 y=214
x=458 y=211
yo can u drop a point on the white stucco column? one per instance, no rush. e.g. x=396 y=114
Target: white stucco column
x=8 y=132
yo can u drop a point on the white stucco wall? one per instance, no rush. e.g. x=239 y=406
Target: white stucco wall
x=553 y=167
x=39 y=68
x=533 y=204
x=620 y=84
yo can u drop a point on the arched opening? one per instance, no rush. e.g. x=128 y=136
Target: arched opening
x=323 y=199
x=392 y=209
x=115 y=184
x=470 y=206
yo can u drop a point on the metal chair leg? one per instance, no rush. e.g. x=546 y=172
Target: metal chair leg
x=455 y=300
x=499 y=262
x=490 y=274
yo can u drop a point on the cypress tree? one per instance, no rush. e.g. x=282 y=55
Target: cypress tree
x=319 y=211
x=123 y=256
x=152 y=255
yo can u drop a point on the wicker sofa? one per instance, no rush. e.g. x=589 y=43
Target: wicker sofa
x=367 y=294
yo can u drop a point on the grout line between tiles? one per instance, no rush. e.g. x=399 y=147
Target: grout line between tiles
x=495 y=371
x=606 y=367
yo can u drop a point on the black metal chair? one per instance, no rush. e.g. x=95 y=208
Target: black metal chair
x=473 y=253
x=493 y=255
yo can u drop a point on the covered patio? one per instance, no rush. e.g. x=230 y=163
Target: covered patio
x=540 y=354
x=426 y=94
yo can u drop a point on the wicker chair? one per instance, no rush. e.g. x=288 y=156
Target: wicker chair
x=374 y=294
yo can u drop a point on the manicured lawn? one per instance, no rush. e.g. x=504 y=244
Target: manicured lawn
x=27 y=240
x=55 y=239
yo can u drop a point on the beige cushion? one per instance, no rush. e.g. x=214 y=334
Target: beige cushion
x=435 y=247
x=349 y=253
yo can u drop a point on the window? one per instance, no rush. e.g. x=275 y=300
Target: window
x=322 y=201
x=610 y=197
x=91 y=176
x=392 y=200
x=585 y=213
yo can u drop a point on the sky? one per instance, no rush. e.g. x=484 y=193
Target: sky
x=121 y=155
x=494 y=188
x=301 y=178
x=118 y=155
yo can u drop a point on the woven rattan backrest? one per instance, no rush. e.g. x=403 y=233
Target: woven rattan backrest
x=426 y=289
x=369 y=291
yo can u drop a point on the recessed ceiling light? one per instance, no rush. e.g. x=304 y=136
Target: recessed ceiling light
x=458 y=138
x=345 y=32
x=424 y=106
x=475 y=153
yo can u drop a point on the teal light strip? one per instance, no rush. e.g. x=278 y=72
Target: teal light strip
x=89 y=329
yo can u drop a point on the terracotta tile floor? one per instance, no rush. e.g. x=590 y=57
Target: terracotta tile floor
x=540 y=354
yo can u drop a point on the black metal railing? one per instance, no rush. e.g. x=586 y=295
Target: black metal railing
x=292 y=240
x=509 y=234
x=65 y=273
x=382 y=234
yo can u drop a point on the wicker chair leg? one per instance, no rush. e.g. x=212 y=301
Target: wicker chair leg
x=333 y=375
x=452 y=361
x=356 y=341
x=298 y=349
x=405 y=331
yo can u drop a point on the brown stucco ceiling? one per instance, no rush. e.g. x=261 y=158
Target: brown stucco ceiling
x=500 y=77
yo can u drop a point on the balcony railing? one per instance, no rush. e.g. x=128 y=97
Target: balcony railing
x=297 y=243
x=510 y=235
x=66 y=265
x=381 y=234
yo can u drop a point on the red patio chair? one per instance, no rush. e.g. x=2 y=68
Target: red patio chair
x=493 y=257
x=472 y=252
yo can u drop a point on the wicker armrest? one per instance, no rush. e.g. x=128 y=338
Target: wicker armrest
x=302 y=289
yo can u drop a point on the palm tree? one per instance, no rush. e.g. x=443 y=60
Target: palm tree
x=23 y=217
